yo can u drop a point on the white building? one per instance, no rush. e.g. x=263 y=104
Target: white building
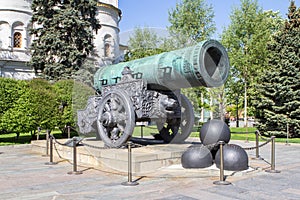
x=15 y=40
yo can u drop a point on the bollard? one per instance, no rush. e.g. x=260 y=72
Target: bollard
x=69 y=135
x=142 y=131
x=287 y=135
x=51 y=152
x=272 y=170
x=129 y=182
x=47 y=143
x=257 y=145
x=75 y=158
x=38 y=133
x=222 y=179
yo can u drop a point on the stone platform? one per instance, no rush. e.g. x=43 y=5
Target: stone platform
x=146 y=158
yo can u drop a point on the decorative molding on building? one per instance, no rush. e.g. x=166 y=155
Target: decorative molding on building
x=100 y=4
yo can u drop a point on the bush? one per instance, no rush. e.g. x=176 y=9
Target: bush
x=27 y=105
x=10 y=91
x=63 y=90
x=36 y=107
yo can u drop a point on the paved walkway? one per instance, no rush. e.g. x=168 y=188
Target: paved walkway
x=24 y=175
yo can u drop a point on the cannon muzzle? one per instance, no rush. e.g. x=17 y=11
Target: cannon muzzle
x=205 y=64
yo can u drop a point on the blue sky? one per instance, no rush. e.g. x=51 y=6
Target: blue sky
x=154 y=13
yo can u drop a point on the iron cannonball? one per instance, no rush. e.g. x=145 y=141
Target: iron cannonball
x=214 y=131
x=196 y=157
x=235 y=158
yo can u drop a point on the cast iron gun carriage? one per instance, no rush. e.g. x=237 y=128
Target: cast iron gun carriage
x=148 y=90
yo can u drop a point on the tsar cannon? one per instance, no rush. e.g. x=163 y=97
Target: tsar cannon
x=148 y=90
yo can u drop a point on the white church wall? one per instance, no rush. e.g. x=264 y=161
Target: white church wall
x=114 y=3
x=15 y=16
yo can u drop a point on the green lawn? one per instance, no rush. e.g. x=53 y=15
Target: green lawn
x=236 y=134
x=25 y=138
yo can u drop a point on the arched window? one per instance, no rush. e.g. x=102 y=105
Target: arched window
x=107 y=45
x=17 y=40
x=106 y=50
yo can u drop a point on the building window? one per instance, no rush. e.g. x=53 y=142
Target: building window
x=106 y=50
x=107 y=45
x=17 y=40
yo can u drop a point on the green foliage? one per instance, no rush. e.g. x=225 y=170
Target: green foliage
x=63 y=36
x=36 y=107
x=86 y=73
x=63 y=90
x=143 y=43
x=80 y=94
x=279 y=103
x=144 y=39
x=191 y=22
x=246 y=40
x=42 y=104
x=10 y=91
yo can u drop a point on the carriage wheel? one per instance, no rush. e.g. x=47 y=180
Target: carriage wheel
x=178 y=129
x=116 y=118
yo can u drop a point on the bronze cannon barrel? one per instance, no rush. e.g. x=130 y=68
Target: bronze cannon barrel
x=205 y=64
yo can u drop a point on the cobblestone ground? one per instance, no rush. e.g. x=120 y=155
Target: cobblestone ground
x=24 y=175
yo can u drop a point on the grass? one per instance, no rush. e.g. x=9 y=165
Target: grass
x=236 y=134
x=240 y=133
x=25 y=138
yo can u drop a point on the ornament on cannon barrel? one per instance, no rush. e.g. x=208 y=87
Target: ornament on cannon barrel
x=197 y=156
x=235 y=158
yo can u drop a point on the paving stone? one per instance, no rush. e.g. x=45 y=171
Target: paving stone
x=24 y=175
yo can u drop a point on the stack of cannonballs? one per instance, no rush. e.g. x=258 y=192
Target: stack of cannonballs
x=208 y=152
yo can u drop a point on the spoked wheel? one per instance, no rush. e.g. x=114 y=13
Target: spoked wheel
x=116 y=118
x=177 y=130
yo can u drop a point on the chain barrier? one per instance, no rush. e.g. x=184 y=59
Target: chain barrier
x=55 y=147
x=261 y=145
x=261 y=137
x=75 y=141
x=93 y=146
x=133 y=145
x=62 y=144
x=57 y=152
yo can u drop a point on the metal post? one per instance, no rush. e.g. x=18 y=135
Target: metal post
x=38 y=133
x=47 y=143
x=51 y=152
x=257 y=145
x=75 y=158
x=222 y=179
x=272 y=170
x=130 y=182
x=287 y=134
x=142 y=132
x=237 y=111
x=69 y=135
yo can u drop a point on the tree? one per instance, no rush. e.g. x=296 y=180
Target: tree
x=142 y=43
x=246 y=40
x=279 y=102
x=191 y=22
x=63 y=36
